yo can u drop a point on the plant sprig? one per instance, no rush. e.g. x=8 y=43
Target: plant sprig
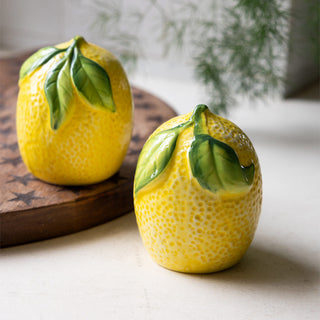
x=237 y=48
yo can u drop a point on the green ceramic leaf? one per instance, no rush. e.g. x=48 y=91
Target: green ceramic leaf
x=216 y=166
x=59 y=91
x=202 y=163
x=235 y=178
x=92 y=82
x=38 y=59
x=158 y=151
x=155 y=156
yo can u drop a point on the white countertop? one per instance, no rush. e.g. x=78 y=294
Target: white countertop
x=105 y=272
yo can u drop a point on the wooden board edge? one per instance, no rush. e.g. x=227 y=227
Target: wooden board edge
x=63 y=219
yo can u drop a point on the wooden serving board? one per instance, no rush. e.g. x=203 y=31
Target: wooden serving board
x=32 y=210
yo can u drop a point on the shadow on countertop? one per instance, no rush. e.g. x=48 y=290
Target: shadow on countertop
x=271 y=270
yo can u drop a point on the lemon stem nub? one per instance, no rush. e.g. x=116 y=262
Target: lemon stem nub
x=78 y=39
x=200 y=123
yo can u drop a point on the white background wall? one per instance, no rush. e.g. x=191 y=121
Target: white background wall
x=34 y=23
x=31 y=24
x=27 y=24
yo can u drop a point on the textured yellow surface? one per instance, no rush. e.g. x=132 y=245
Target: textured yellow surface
x=92 y=144
x=189 y=229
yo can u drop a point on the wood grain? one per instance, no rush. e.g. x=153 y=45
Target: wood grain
x=32 y=210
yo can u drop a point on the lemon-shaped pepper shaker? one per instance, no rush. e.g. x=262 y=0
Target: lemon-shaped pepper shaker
x=74 y=113
x=197 y=193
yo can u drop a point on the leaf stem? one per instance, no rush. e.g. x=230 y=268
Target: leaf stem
x=78 y=39
x=198 y=118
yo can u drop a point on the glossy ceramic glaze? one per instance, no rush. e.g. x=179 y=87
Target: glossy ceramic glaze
x=74 y=113
x=198 y=193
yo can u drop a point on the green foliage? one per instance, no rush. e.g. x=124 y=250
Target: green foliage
x=244 y=57
x=237 y=48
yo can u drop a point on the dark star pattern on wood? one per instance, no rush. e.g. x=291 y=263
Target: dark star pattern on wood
x=136 y=138
x=137 y=95
x=11 y=146
x=5 y=119
x=132 y=152
x=22 y=179
x=14 y=161
x=6 y=131
x=155 y=118
x=27 y=198
x=144 y=105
